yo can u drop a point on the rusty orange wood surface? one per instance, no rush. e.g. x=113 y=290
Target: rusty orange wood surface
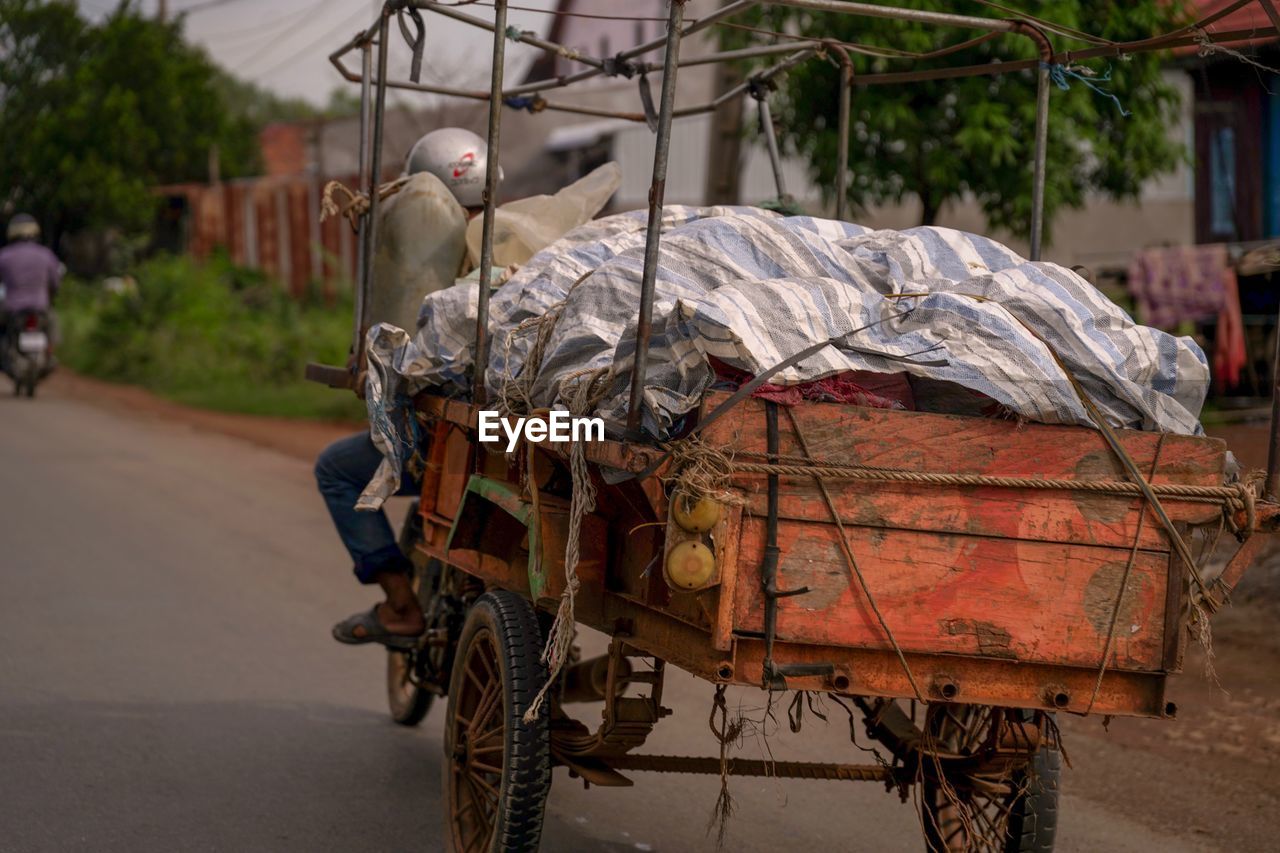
x=1023 y=575
x=1015 y=599
x=1069 y=518
x=953 y=444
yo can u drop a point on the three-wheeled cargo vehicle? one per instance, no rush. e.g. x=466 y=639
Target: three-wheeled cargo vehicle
x=960 y=580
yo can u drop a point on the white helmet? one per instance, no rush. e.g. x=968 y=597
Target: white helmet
x=457 y=157
x=24 y=227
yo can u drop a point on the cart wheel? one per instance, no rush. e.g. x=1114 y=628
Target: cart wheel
x=993 y=812
x=408 y=701
x=498 y=768
x=407 y=698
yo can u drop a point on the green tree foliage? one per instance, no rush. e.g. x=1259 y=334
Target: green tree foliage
x=92 y=116
x=942 y=140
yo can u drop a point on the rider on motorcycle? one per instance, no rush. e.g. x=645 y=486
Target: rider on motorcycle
x=448 y=168
x=29 y=273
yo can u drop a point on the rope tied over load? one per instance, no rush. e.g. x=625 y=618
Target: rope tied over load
x=338 y=199
x=581 y=391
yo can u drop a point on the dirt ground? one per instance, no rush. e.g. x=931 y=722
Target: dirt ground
x=1222 y=752
x=297 y=438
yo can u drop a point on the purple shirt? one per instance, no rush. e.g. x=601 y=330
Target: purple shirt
x=30 y=274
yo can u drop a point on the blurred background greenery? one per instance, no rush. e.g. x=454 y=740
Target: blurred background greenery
x=211 y=335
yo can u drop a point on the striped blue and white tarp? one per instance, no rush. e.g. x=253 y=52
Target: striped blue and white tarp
x=753 y=288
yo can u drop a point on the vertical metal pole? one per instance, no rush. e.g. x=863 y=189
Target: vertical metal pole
x=842 y=137
x=375 y=170
x=490 y=199
x=1038 y=168
x=771 y=141
x=366 y=77
x=657 y=191
x=1273 y=448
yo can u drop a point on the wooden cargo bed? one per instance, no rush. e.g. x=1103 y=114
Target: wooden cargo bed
x=994 y=594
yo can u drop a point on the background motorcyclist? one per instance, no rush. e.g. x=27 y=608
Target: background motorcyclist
x=29 y=278
x=29 y=273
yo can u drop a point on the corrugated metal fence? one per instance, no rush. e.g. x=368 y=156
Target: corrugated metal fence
x=271 y=224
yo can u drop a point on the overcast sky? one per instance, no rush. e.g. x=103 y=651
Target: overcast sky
x=284 y=45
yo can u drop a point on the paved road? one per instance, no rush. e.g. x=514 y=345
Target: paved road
x=167 y=680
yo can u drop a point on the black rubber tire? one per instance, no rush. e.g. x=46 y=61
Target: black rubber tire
x=1033 y=825
x=510 y=623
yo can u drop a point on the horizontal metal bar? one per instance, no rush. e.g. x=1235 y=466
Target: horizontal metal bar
x=733 y=55
x=752 y=767
x=921 y=16
x=526 y=38
x=1065 y=57
x=764 y=74
x=702 y=23
x=479 y=95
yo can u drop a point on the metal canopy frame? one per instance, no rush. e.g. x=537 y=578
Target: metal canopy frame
x=793 y=49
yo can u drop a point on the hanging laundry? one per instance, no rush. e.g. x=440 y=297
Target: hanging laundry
x=1181 y=284
x=1229 y=353
x=1178 y=284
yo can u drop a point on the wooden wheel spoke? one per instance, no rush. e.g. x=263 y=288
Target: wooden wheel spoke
x=469 y=840
x=482 y=655
x=491 y=733
x=481 y=722
x=469 y=805
x=480 y=684
x=487 y=661
x=485 y=768
x=484 y=785
x=489 y=702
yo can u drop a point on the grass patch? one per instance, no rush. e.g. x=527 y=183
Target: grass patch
x=210 y=335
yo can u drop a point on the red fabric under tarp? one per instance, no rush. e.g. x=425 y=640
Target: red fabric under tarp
x=854 y=387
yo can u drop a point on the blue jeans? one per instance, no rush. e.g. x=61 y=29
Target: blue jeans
x=343 y=469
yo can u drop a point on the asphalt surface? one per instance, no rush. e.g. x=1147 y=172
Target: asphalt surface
x=167 y=679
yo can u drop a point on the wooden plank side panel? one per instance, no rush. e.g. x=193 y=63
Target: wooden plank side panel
x=1048 y=516
x=951 y=594
x=944 y=444
x=921 y=441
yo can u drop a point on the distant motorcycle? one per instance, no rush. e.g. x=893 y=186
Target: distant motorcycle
x=25 y=355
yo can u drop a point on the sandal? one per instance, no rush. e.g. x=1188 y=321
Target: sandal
x=374 y=632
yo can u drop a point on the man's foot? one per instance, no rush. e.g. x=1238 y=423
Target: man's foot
x=406 y=620
x=398 y=630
